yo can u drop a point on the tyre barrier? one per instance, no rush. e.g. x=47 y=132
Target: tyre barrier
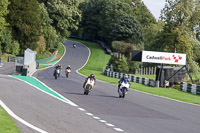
x=190 y=88
x=140 y=80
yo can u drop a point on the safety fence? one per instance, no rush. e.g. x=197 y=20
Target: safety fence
x=190 y=88
x=47 y=59
x=141 y=80
x=146 y=71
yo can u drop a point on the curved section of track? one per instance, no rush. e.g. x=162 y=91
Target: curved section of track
x=138 y=112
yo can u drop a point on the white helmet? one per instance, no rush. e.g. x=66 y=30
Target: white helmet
x=125 y=76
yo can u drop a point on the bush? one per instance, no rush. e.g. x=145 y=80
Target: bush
x=119 y=64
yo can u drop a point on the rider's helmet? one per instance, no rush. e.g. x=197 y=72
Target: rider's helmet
x=126 y=76
x=68 y=65
x=91 y=75
x=59 y=65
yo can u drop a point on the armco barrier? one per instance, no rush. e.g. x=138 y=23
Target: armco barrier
x=144 y=81
x=191 y=88
x=47 y=59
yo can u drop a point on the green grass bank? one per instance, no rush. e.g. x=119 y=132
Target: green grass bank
x=6 y=123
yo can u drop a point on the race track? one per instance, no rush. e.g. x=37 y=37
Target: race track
x=99 y=112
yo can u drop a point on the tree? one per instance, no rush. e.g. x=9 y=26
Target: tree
x=141 y=12
x=126 y=28
x=90 y=22
x=146 y=20
x=65 y=16
x=8 y=44
x=24 y=18
x=120 y=64
x=49 y=33
x=110 y=20
x=181 y=19
x=3 y=24
x=125 y=50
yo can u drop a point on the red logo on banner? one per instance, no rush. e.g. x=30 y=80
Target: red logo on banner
x=176 y=59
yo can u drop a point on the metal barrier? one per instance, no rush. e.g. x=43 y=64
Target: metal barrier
x=47 y=59
x=140 y=80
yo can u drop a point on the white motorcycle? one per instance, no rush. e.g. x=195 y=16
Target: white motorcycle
x=88 y=86
x=123 y=89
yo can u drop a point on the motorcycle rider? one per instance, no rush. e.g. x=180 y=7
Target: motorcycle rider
x=58 y=67
x=68 y=67
x=74 y=45
x=124 y=78
x=91 y=76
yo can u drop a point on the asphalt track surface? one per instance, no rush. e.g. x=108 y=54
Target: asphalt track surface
x=137 y=113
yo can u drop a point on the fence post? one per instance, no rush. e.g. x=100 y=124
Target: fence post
x=154 y=70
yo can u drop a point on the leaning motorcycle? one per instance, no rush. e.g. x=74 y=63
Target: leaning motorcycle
x=74 y=45
x=88 y=86
x=123 y=89
x=56 y=73
x=67 y=72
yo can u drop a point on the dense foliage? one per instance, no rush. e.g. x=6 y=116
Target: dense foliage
x=110 y=20
x=36 y=24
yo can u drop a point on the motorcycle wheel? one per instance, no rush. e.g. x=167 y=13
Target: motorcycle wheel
x=56 y=76
x=66 y=75
x=87 y=90
x=123 y=93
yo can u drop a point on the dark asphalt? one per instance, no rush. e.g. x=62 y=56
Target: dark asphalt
x=7 y=68
x=137 y=113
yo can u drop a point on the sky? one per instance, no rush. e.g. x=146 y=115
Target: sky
x=155 y=6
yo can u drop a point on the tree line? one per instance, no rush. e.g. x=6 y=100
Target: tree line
x=127 y=24
x=124 y=25
x=36 y=24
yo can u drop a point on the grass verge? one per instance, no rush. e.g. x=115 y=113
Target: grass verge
x=98 y=60
x=6 y=123
x=61 y=50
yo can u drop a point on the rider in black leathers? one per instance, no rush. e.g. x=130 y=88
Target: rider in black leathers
x=57 y=67
x=91 y=77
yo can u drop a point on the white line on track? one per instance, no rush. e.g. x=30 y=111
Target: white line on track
x=81 y=109
x=119 y=129
x=89 y=114
x=20 y=119
x=95 y=117
x=103 y=121
x=110 y=125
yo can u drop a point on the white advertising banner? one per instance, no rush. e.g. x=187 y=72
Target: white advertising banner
x=163 y=57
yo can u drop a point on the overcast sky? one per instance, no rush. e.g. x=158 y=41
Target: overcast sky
x=155 y=6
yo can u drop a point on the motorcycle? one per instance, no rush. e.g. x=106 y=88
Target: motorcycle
x=56 y=73
x=88 y=86
x=123 y=89
x=74 y=45
x=67 y=72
